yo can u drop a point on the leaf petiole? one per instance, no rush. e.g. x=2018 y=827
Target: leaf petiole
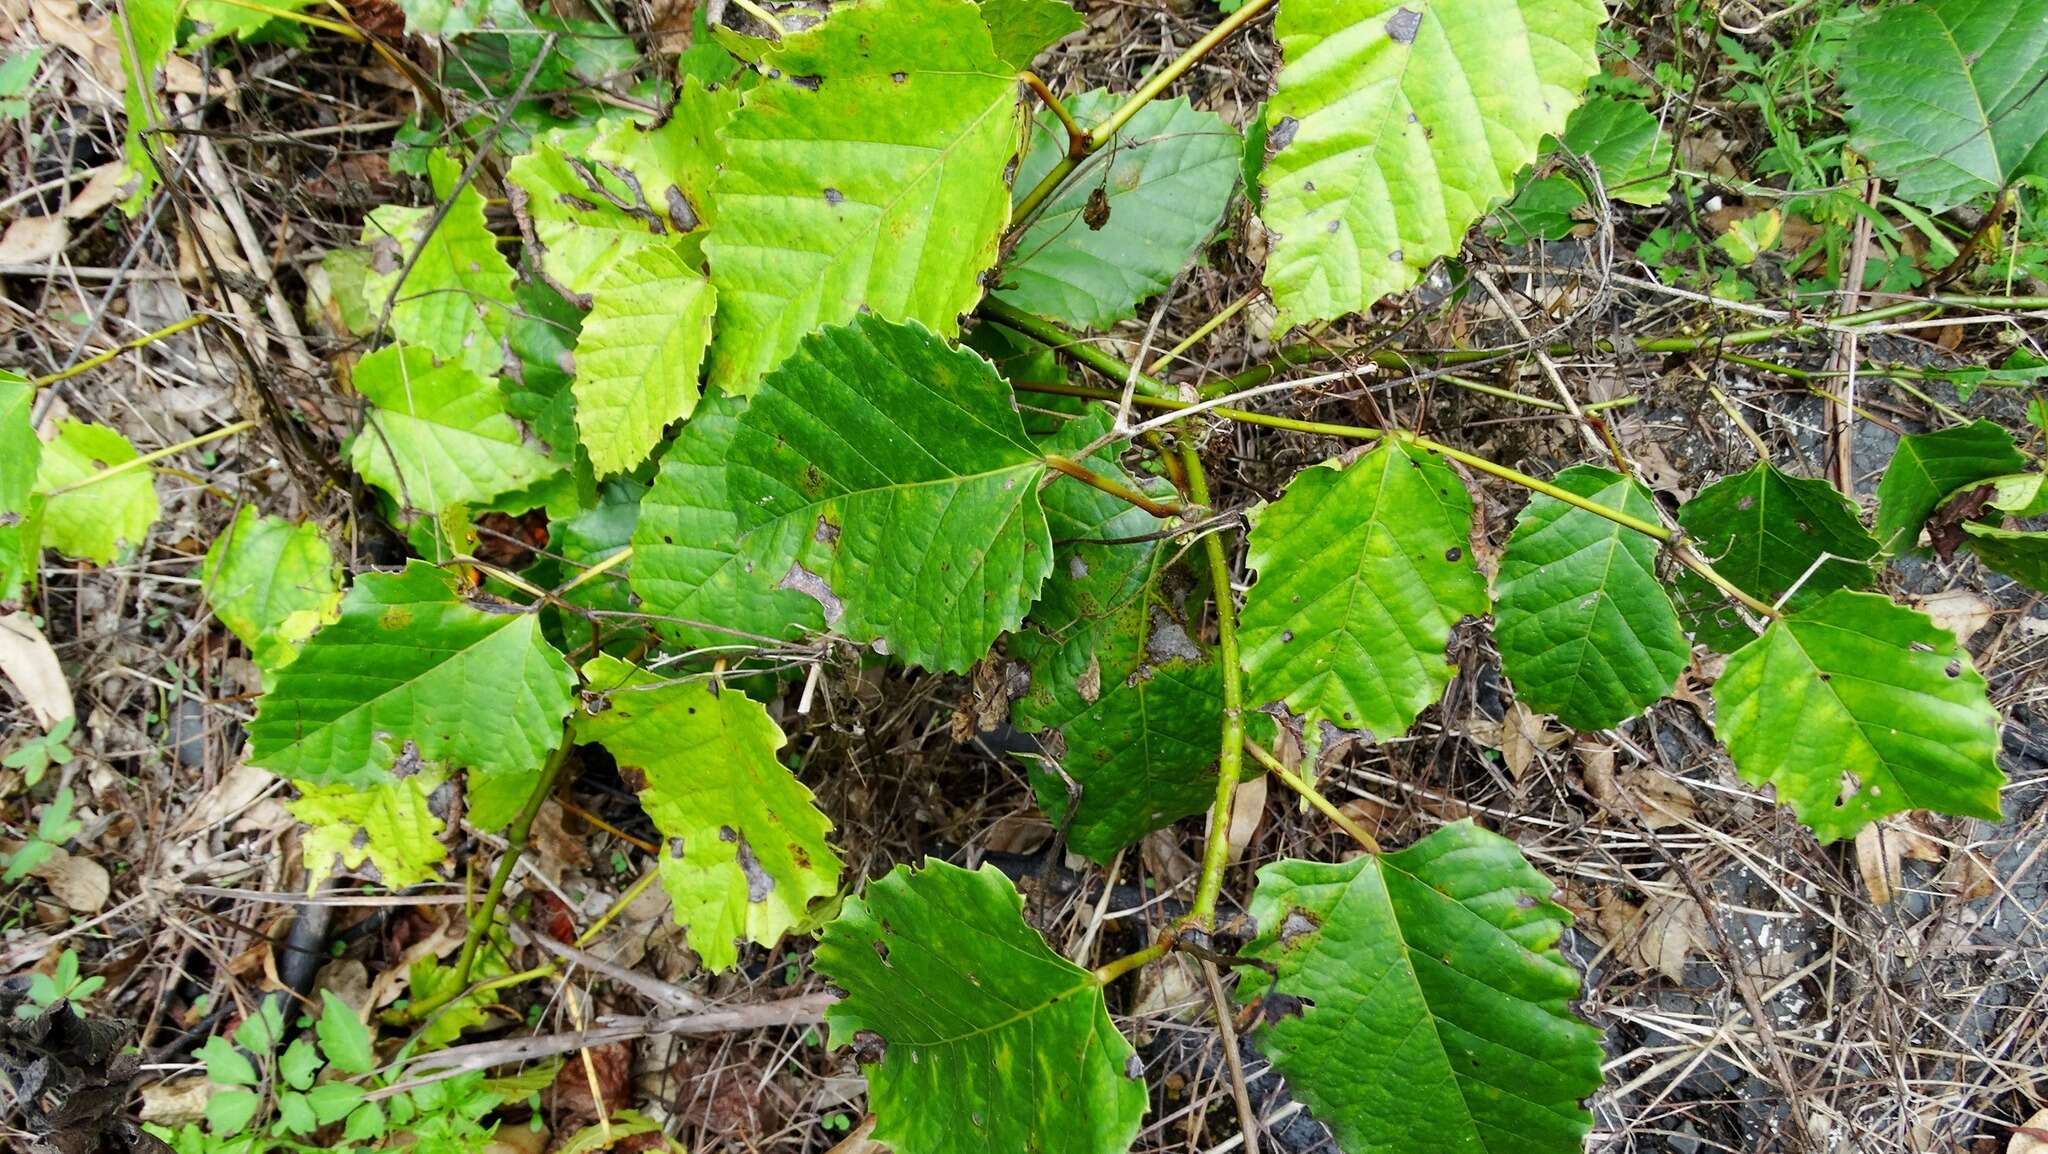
x=1323 y=805
x=1067 y=466
x=1230 y=757
x=1105 y=132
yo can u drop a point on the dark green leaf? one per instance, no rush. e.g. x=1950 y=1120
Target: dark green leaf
x=1585 y=629
x=1856 y=708
x=1929 y=466
x=1436 y=1014
x=1766 y=531
x=989 y=1040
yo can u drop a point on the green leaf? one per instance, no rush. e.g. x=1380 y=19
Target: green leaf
x=1929 y=466
x=455 y=17
x=991 y=1041
x=1363 y=572
x=704 y=585
x=1164 y=184
x=429 y=980
x=343 y=1037
x=2014 y=494
x=637 y=361
x=102 y=520
x=1857 y=707
x=1021 y=29
x=1138 y=704
x=1541 y=211
x=333 y=1101
x=896 y=485
x=577 y=215
x=21 y=507
x=2018 y=554
x=589 y=197
x=439 y=436
x=411 y=669
x=1398 y=131
x=747 y=851
x=143 y=32
x=242 y=23
x=1767 y=531
x=864 y=175
x=1101 y=562
x=365 y=1123
x=1944 y=96
x=542 y=339
x=606 y=1134
x=299 y=1064
x=225 y=1065
x=1627 y=145
x=272 y=583
x=457 y=294
x=1437 y=1014
x=1585 y=629
x=229 y=1112
x=592 y=536
x=388 y=824
x=1750 y=237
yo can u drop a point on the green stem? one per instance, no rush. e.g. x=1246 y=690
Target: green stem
x=98 y=359
x=1367 y=433
x=1109 y=972
x=155 y=455
x=1308 y=792
x=1047 y=333
x=1106 y=131
x=1230 y=756
x=516 y=838
x=1294 y=356
x=1685 y=555
x=1082 y=473
x=1165 y=360
x=1077 y=137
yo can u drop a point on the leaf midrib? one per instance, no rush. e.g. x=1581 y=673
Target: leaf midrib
x=1429 y=1014
x=511 y=621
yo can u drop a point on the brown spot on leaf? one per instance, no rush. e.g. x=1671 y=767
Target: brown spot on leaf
x=1403 y=25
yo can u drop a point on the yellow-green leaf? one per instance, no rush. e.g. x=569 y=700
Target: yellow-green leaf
x=272 y=583
x=863 y=175
x=97 y=520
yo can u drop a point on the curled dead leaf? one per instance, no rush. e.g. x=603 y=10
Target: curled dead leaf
x=176 y=1102
x=2031 y=1137
x=1247 y=813
x=1524 y=734
x=1881 y=850
x=34 y=239
x=1959 y=611
x=27 y=661
x=79 y=882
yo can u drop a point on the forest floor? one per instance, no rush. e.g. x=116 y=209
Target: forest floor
x=1758 y=991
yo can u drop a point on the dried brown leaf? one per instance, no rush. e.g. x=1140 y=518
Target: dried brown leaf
x=34 y=239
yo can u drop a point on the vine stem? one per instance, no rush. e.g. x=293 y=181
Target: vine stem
x=97 y=359
x=1109 y=972
x=516 y=838
x=1067 y=466
x=1105 y=132
x=1230 y=756
x=1294 y=356
x=591 y=573
x=1309 y=793
x=1149 y=392
x=1165 y=360
x=155 y=455
x=1367 y=433
x=1077 y=136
